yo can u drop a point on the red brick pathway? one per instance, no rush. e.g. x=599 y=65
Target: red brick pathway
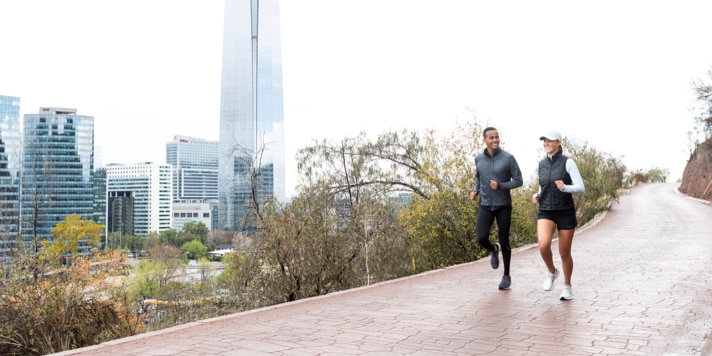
x=642 y=286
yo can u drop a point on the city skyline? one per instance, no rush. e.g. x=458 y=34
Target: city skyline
x=593 y=71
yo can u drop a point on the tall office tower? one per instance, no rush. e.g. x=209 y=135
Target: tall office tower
x=195 y=168
x=57 y=170
x=9 y=173
x=99 y=188
x=251 y=111
x=139 y=198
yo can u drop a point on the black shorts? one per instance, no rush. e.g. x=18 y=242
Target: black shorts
x=564 y=219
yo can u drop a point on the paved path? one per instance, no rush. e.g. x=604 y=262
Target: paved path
x=642 y=286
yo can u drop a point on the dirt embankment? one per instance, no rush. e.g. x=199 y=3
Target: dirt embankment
x=697 y=176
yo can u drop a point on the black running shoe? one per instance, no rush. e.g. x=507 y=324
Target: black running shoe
x=494 y=256
x=505 y=283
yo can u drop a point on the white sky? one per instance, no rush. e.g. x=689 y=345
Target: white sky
x=616 y=74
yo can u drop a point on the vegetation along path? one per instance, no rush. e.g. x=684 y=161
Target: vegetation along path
x=642 y=286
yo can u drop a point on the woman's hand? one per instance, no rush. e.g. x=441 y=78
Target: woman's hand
x=559 y=184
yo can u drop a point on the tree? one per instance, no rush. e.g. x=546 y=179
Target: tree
x=443 y=229
x=242 y=273
x=151 y=240
x=194 y=231
x=194 y=249
x=390 y=164
x=155 y=272
x=250 y=186
x=114 y=240
x=654 y=175
x=157 y=287
x=384 y=252
x=302 y=252
x=221 y=237
x=442 y=222
x=703 y=95
x=204 y=268
x=36 y=198
x=170 y=237
x=170 y=257
x=150 y=276
x=134 y=244
x=71 y=233
x=436 y=170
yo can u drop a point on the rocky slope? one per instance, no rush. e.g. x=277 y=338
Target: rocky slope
x=697 y=176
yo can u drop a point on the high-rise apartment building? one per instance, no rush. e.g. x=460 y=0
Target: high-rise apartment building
x=57 y=170
x=9 y=173
x=195 y=168
x=139 y=198
x=251 y=111
x=99 y=188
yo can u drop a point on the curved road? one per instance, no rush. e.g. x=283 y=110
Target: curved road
x=642 y=286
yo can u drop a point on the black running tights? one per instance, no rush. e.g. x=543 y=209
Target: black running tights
x=485 y=217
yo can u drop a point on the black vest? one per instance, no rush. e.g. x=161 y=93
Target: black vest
x=551 y=170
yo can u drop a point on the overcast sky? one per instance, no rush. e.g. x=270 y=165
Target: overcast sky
x=615 y=74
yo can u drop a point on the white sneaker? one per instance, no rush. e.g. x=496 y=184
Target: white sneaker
x=550 y=278
x=566 y=293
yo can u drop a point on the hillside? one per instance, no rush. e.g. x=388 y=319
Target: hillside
x=697 y=176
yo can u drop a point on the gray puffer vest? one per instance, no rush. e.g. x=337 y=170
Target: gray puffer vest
x=551 y=170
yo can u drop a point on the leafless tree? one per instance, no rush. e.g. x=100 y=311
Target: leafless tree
x=703 y=96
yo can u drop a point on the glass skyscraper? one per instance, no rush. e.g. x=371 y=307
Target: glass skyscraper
x=195 y=168
x=99 y=188
x=9 y=173
x=251 y=146
x=57 y=170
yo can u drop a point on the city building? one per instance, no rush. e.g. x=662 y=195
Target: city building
x=139 y=198
x=57 y=170
x=251 y=145
x=99 y=188
x=195 y=211
x=10 y=149
x=195 y=168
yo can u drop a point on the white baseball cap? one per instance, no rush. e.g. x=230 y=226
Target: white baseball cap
x=551 y=135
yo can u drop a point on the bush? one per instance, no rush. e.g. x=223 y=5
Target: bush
x=46 y=308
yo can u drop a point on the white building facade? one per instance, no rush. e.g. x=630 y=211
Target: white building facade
x=194 y=211
x=139 y=198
